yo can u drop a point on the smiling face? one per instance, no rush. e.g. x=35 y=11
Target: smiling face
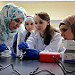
x=29 y=25
x=40 y=24
x=66 y=32
x=15 y=23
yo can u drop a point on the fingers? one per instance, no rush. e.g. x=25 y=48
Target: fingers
x=28 y=49
x=20 y=47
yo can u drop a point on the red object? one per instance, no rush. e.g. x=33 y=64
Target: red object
x=48 y=56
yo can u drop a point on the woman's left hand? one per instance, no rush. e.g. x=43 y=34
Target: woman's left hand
x=32 y=53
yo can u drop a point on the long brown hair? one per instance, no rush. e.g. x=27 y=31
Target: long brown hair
x=69 y=21
x=49 y=32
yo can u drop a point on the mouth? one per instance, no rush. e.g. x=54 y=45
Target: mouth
x=29 y=30
x=38 y=28
x=14 y=28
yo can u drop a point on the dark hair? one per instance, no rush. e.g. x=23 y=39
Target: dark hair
x=27 y=36
x=61 y=24
x=69 y=21
x=49 y=32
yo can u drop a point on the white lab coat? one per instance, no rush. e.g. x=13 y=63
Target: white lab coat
x=22 y=36
x=35 y=42
x=9 y=45
x=10 y=42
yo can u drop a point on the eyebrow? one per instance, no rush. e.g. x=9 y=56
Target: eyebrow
x=61 y=24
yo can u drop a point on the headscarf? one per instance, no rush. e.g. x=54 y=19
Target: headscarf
x=29 y=18
x=8 y=13
x=69 y=21
x=22 y=9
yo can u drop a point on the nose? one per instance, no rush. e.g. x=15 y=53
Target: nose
x=29 y=26
x=17 y=25
x=62 y=34
x=38 y=25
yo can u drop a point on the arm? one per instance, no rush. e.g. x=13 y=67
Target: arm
x=31 y=40
x=28 y=44
x=54 y=44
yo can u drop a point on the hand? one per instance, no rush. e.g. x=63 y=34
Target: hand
x=32 y=53
x=23 y=45
x=3 y=47
x=13 y=54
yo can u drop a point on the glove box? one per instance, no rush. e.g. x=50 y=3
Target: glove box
x=48 y=56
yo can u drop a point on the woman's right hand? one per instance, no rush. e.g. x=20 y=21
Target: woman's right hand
x=23 y=45
x=3 y=47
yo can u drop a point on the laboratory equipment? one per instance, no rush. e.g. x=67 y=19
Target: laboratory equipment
x=69 y=54
x=48 y=56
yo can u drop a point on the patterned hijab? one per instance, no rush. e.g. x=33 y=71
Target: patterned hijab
x=8 y=13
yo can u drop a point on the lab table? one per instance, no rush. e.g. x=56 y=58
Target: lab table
x=24 y=67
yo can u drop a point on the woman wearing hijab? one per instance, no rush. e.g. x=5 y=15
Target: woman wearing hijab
x=11 y=17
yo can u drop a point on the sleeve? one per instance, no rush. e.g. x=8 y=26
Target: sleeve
x=54 y=44
x=31 y=40
x=22 y=36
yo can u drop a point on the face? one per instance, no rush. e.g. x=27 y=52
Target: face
x=40 y=24
x=66 y=32
x=15 y=23
x=30 y=25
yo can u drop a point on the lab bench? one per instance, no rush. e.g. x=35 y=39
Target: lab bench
x=24 y=67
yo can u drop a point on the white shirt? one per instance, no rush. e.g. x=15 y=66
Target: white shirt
x=35 y=42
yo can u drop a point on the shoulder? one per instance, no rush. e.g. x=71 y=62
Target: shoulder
x=33 y=32
x=57 y=35
x=23 y=32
